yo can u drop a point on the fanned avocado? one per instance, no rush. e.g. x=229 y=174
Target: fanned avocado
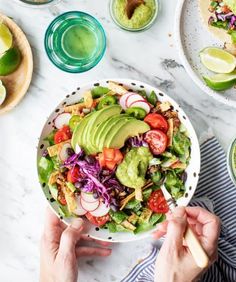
x=78 y=132
x=131 y=128
x=98 y=118
x=102 y=127
x=109 y=127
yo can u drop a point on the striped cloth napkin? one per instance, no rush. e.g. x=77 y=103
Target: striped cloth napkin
x=217 y=193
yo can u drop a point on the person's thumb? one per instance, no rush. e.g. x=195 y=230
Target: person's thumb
x=176 y=228
x=70 y=237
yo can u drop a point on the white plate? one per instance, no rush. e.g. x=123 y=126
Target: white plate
x=192 y=36
x=192 y=170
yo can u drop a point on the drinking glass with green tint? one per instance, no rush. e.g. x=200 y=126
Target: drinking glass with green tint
x=37 y=3
x=75 y=42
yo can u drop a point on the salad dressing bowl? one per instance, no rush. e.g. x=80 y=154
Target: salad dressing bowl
x=192 y=170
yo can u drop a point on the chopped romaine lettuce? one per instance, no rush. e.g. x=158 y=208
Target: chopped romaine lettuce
x=152 y=98
x=45 y=168
x=174 y=184
x=118 y=216
x=63 y=211
x=50 y=138
x=53 y=190
x=181 y=144
x=156 y=217
x=99 y=91
x=147 y=193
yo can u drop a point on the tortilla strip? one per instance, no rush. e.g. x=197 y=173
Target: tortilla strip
x=125 y=201
x=88 y=99
x=205 y=15
x=74 y=108
x=138 y=194
x=170 y=132
x=70 y=198
x=164 y=106
x=117 y=88
x=55 y=149
x=53 y=177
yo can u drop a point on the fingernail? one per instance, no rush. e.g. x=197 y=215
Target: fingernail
x=77 y=223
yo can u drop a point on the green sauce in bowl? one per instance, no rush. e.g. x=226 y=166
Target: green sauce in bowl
x=142 y=18
x=232 y=161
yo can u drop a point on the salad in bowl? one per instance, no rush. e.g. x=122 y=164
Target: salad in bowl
x=105 y=155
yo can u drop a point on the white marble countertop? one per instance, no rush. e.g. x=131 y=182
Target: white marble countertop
x=149 y=56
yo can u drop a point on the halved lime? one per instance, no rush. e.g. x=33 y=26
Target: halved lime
x=222 y=81
x=217 y=60
x=2 y=93
x=5 y=38
x=10 y=61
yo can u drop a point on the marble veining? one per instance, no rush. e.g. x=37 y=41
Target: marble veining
x=148 y=56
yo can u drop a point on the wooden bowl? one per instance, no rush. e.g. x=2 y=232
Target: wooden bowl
x=17 y=83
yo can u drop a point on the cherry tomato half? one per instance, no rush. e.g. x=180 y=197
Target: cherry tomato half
x=73 y=175
x=97 y=220
x=157 y=141
x=62 y=134
x=157 y=121
x=157 y=202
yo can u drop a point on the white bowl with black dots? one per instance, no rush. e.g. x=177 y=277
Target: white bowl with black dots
x=192 y=170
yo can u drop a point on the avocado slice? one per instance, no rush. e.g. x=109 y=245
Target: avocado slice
x=104 y=128
x=110 y=127
x=97 y=118
x=98 y=133
x=95 y=123
x=132 y=127
x=78 y=132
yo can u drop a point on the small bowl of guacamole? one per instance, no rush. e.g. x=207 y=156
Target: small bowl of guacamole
x=134 y=15
x=231 y=161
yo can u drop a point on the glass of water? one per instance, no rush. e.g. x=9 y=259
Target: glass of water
x=37 y=3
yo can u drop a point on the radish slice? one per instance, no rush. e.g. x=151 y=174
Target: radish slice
x=88 y=197
x=134 y=98
x=89 y=206
x=79 y=210
x=101 y=210
x=63 y=154
x=62 y=119
x=123 y=100
x=77 y=149
x=141 y=104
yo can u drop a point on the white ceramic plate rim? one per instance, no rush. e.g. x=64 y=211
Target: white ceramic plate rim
x=177 y=31
x=182 y=201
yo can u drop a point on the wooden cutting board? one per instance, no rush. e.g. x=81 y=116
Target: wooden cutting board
x=17 y=83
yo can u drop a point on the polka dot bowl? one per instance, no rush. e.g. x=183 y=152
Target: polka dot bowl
x=192 y=170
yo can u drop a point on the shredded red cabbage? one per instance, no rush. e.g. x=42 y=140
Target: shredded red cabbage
x=223 y=17
x=92 y=177
x=137 y=141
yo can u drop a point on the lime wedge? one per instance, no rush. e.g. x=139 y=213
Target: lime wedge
x=217 y=60
x=5 y=38
x=2 y=93
x=221 y=81
x=10 y=61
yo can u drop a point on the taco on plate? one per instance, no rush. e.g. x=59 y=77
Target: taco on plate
x=220 y=17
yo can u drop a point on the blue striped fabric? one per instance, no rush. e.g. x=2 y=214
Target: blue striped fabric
x=217 y=193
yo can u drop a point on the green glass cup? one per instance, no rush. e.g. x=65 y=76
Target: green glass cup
x=37 y=3
x=75 y=42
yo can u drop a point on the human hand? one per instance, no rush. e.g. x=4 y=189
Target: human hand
x=174 y=261
x=61 y=246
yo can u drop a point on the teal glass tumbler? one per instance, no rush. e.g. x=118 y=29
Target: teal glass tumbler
x=75 y=42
